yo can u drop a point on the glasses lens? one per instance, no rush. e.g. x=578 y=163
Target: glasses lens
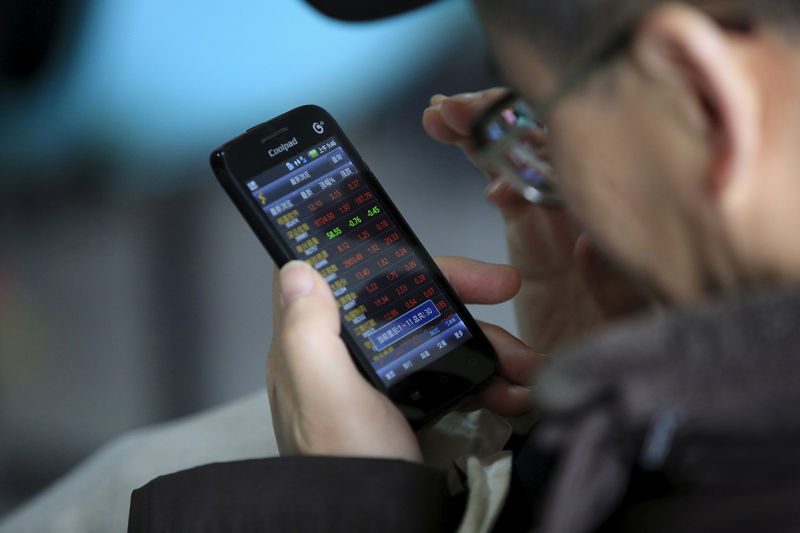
x=514 y=146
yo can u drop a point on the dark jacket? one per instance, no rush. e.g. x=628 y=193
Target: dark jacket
x=688 y=421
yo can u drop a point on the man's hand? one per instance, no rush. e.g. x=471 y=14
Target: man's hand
x=568 y=287
x=320 y=403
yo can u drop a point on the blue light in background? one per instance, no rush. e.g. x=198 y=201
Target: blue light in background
x=156 y=83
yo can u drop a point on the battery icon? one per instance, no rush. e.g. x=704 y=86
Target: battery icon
x=313 y=154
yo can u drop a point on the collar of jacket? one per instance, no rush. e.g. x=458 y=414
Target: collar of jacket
x=696 y=394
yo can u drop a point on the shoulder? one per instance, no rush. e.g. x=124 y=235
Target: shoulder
x=682 y=411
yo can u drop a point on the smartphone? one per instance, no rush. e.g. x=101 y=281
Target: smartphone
x=308 y=195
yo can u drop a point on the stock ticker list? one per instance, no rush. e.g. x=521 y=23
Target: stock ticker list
x=326 y=211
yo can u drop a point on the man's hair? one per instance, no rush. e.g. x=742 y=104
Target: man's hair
x=566 y=31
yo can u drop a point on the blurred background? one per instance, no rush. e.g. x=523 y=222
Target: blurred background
x=131 y=291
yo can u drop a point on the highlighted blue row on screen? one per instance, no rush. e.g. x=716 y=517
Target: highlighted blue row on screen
x=404 y=325
x=441 y=342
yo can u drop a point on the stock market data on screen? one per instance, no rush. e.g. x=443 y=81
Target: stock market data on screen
x=332 y=217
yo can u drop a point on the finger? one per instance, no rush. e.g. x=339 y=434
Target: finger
x=461 y=110
x=508 y=393
x=504 y=196
x=314 y=356
x=435 y=126
x=273 y=355
x=518 y=362
x=505 y=398
x=449 y=119
x=276 y=300
x=477 y=282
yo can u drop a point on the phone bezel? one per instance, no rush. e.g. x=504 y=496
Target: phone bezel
x=425 y=393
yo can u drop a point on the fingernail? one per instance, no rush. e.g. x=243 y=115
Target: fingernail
x=437 y=99
x=296 y=280
x=467 y=97
x=494 y=186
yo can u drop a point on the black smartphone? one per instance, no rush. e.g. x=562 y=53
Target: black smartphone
x=308 y=195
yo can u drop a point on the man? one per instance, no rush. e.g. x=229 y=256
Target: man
x=671 y=133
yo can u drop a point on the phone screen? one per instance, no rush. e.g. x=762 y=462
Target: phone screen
x=330 y=214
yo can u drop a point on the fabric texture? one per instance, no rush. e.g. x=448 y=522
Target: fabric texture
x=702 y=403
x=295 y=494
x=343 y=494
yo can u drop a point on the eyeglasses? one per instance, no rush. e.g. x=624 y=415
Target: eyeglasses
x=511 y=138
x=512 y=144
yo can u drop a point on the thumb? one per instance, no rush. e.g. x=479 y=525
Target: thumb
x=315 y=355
x=325 y=406
x=459 y=111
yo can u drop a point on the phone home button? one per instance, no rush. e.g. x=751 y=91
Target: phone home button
x=444 y=380
x=415 y=396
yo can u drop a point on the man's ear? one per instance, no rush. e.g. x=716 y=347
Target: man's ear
x=684 y=48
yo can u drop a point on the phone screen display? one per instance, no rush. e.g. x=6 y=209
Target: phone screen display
x=331 y=216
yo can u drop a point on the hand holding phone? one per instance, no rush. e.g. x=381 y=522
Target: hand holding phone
x=322 y=405
x=308 y=196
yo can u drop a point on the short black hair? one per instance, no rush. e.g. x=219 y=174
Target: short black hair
x=566 y=31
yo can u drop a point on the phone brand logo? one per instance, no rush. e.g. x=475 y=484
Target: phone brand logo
x=274 y=152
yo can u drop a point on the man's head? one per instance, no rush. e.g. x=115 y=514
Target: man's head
x=679 y=155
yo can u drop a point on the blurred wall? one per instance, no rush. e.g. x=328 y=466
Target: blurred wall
x=130 y=289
